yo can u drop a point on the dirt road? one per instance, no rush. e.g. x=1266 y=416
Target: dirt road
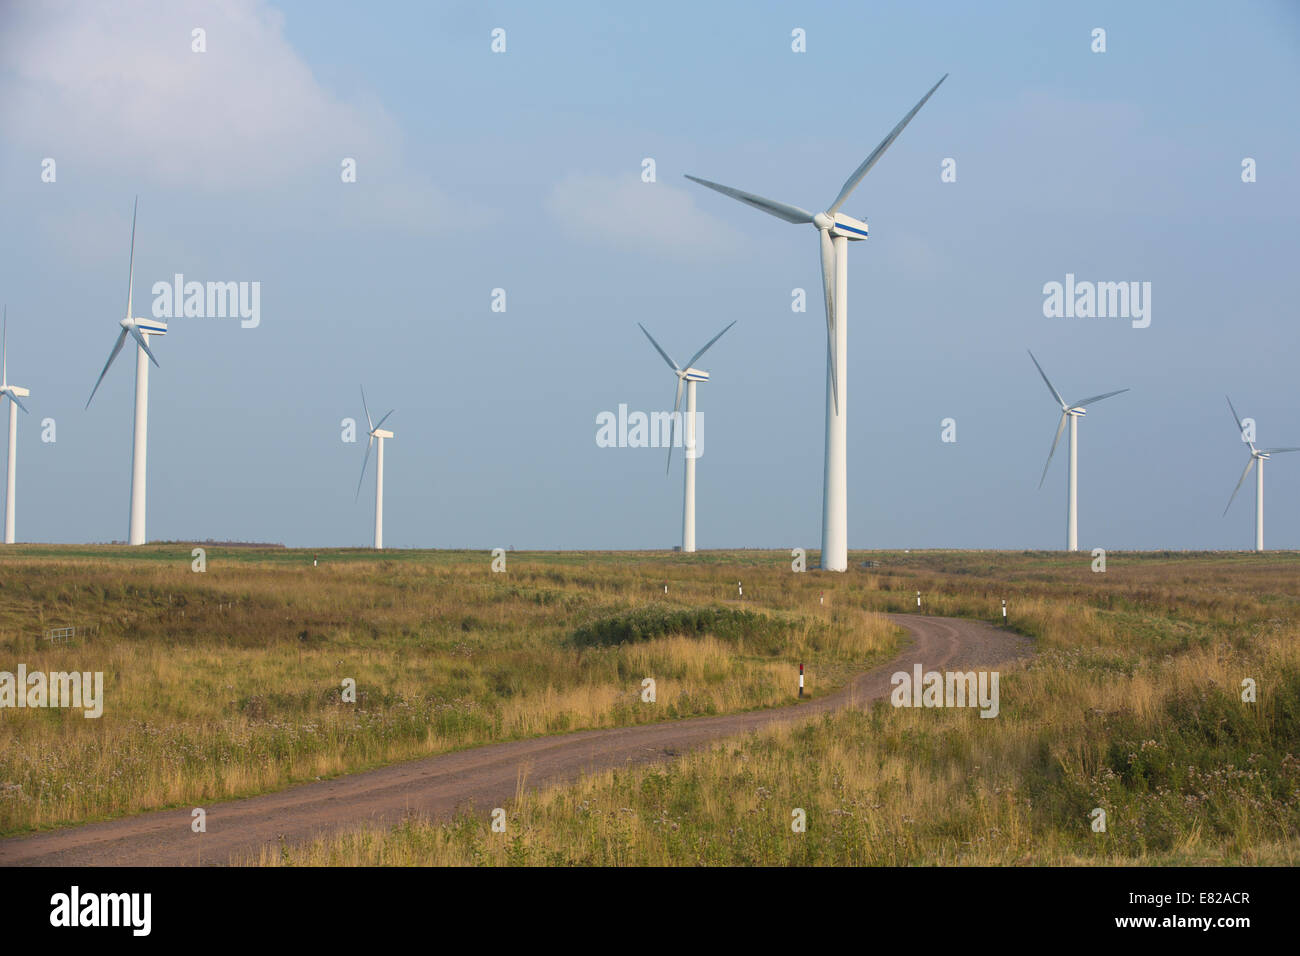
x=485 y=776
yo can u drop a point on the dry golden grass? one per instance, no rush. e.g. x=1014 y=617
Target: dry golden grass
x=1132 y=705
x=229 y=682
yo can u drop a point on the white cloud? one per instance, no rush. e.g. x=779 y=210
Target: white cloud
x=653 y=217
x=117 y=88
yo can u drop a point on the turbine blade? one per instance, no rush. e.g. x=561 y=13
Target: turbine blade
x=1098 y=398
x=4 y=375
x=770 y=206
x=1235 y=416
x=828 y=289
x=1059 y=429
x=365 y=461
x=708 y=345
x=852 y=182
x=131 y=274
x=671 y=364
x=1241 y=429
x=380 y=424
x=1050 y=387
x=369 y=424
x=139 y=337
x=1240 y=481
x=117 y=347
x=672 y=425
x=1276 y=451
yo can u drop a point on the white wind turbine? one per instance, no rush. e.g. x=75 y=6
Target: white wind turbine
x=1073 y=412
x=375 y=432
x=1259 y=455
x=836 y=230
x=690 y=375
x=13 y=393
x=140 y=330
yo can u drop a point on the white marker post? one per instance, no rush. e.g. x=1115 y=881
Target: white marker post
x=821 y=598
x=740 y=592
x=1004 y=612
x=801 y=678
x=918 y=600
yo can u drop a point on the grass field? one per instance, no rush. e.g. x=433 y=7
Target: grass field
x=227 y=683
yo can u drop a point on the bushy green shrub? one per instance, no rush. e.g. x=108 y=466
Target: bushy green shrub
x=758 y=632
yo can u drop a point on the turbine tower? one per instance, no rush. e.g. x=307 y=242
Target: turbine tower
x=836 y=230
x=1257 y=455
x=376 y=432
x=140 y=330
x=13 y=393
x=1073 y=412
x=690 y=375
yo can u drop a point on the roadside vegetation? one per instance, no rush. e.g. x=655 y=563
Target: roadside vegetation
x=1132 y=706
x=230 y=682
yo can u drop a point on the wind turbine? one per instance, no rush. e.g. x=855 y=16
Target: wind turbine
x=1073 y=412
x=13 y=393
x=376 y=432
x=1259 y=455
x=690 y=375
x=140 y=330
x=836 y=230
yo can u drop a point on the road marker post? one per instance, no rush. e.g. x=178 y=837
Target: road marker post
x=918 y=600
x=801 y=679
x=1004 y=612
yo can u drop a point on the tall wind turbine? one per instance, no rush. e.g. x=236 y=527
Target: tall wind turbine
x=1259 y=455
x=1073 y=412
x=13 y=393
x=691 y=376
x=140 y=330
x=837 y=230
x=376 y=432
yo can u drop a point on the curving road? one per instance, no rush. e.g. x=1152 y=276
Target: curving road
x=487 y=776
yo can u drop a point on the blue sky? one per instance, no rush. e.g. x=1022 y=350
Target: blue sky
x=522 y=171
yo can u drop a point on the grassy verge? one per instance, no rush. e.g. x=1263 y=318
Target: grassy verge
x=231 y=682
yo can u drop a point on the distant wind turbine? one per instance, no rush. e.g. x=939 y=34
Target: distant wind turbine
x=140 y=330
x=375 y=432
x=1259 y=455
x=1073 y=412
x=837 y=230
x=690 y=375
x=13 y=393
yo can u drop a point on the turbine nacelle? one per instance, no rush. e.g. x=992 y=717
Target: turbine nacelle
x=14 y=390
x=151 y=326
x=694 y=375
x=855 y=230
x=381 y=433
x=840 y=225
